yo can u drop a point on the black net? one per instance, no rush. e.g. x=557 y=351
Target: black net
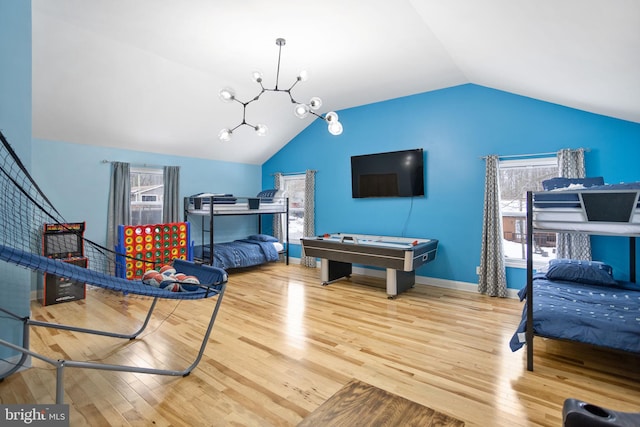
x=26 y=213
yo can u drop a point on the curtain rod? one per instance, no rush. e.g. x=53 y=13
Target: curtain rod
x=294 y=173
x=515 y=156
x=139 y=165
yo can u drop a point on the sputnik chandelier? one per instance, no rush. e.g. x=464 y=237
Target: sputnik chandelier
x=301 y=110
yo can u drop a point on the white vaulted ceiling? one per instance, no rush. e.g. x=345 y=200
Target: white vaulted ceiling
x=145 y=74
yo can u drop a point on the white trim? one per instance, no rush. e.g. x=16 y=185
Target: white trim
x=460 y=286
x=546 y=160
x=537 y=162
x=522 y=264
x=146 y=169
x=432 y=281
x=423 y=280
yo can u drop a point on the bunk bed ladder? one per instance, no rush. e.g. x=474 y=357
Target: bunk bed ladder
x=632 y=259
x=529 y=234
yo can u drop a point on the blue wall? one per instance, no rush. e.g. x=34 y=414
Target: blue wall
x=76 y=180
x=15 y=123
x=455 y=127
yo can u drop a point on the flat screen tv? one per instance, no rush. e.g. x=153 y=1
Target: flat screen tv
x=392 y=174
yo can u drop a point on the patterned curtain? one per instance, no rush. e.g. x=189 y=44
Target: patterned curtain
x=492 y=279
x=119 y=212
x=171 y=200
x=309 y=227
x=572 y=245
x=277 y=219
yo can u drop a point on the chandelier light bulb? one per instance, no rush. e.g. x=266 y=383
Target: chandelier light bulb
x=261 y=129
x=225 y=135
x=315 y=103
x=256 y=76
x=331 y=117
x=227 y=94
x=335 y=128
x=303 y=76
x=301 y=111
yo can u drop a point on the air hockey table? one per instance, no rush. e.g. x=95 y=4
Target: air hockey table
x=401 y=256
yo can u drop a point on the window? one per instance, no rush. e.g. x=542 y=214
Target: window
x=516 y=177
x=147 y=189
x=293 y=186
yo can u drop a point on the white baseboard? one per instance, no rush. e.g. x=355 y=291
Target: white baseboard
x=422 y=280
x=461 y=286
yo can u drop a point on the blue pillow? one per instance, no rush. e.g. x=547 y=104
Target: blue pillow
x=589 y=272
x=559 y=182
x=262 y=238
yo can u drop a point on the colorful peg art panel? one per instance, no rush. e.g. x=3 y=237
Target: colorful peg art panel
x=153 y=245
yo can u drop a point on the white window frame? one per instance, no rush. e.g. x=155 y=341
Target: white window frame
x=544 y=161
x=293 y=208
x=151 y=171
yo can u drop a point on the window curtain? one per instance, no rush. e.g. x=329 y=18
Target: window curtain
x=492 y=278
x=572 y=245
x=277 y=219
x=171 y=196
x=119 y=201
x=309 y=227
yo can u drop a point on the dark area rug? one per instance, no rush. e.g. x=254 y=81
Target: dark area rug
x=361 y=404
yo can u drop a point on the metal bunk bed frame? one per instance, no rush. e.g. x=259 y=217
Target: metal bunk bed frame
x=529 y=333
x=213 y=212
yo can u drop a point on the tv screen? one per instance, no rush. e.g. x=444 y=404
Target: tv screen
x=62 y=245
x=392 y=174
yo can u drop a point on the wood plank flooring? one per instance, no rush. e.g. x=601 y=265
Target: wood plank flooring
x=283 y=344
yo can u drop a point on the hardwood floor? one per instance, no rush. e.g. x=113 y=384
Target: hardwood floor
x=283 y=344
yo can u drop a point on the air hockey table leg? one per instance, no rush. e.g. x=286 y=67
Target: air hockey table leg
x=330 y=271
x=399 y=281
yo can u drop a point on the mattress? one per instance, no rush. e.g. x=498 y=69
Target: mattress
x=239 y=253
x=240 y=208
x=607 y=316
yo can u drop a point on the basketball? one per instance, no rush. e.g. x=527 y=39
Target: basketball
x=167 y=270
x=172 y=287
x=192 y=280
x=155 y=279
x=169 y=283
x=167 y=278
x=152 y=278
x=190 y=283
x=147 y=276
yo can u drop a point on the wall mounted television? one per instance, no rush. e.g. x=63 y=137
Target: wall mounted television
x=391 y=174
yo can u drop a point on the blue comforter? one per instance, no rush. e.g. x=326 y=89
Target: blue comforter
x=239 y=253
x=607 y=316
